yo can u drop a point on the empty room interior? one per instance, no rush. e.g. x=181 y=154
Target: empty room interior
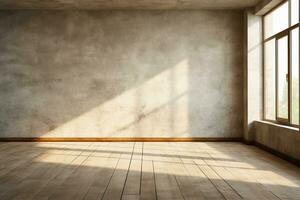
x=149 y=100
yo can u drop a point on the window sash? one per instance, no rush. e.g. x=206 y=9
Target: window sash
x=287 y=32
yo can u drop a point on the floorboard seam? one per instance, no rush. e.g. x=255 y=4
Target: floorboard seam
x=105 y=190
x=211 y=180
x=154 y=180
x=127 y=171
x=141 y=175
x=222 y=177
x=89 y=156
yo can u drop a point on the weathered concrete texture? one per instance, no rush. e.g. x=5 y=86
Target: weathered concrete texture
x=118 y=73
x=127 y=4
x=279 y=138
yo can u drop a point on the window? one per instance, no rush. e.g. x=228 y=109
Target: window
x=270 y=83
x=295 y=11
x=277 y=21
x=295 y=76
x=282 y=78
x=281 y=64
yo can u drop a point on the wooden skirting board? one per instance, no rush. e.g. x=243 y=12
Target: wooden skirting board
x=278 y=153
x=274 y=152
x=119 y=139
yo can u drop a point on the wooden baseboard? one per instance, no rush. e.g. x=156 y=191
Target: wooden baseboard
x=277 y=153
x=248 y=142
x=120 y=139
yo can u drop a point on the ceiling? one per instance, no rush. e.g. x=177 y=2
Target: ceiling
x=127 y=4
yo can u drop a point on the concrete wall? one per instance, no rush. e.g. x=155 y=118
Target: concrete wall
x=121 y=74
x=282 y=139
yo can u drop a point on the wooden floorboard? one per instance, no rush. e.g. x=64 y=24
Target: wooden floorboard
x=144 y=170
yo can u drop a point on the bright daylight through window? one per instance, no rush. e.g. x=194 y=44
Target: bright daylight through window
x=281 y=64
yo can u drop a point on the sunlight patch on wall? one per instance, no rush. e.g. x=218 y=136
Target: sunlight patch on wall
x=159 y=107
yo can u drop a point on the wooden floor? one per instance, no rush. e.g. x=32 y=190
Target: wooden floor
x=144 y=171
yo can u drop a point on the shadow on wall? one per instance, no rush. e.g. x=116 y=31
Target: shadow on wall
x=122 y=74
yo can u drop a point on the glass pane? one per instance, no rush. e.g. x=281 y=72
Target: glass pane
x=282 y=78
x=295 y=76
x=295 y=11
x=277 y=21
x=269 y=80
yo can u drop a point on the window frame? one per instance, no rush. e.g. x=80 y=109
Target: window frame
x=286 y=32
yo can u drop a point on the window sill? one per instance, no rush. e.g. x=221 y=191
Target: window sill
x=278 y=125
